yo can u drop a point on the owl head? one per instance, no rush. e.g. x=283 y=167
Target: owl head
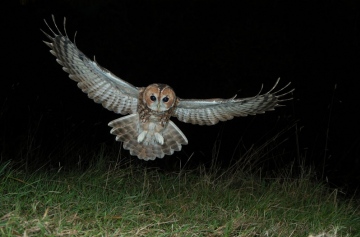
x=159 y=97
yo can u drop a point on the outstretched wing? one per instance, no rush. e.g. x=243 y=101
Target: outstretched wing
x=100 y=84
x=211 y=111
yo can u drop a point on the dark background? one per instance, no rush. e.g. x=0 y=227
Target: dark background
x=202 y=49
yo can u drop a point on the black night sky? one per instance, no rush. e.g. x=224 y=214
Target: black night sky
x=202 y=49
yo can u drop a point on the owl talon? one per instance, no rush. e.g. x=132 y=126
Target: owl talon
x=159 y=138
x=141 y=136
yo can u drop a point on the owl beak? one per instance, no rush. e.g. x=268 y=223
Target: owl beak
x=158 y=107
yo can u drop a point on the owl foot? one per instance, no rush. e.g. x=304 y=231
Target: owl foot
x=141 y=136
x=159 y=138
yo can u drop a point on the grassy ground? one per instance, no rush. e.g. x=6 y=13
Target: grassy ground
x=123 y=199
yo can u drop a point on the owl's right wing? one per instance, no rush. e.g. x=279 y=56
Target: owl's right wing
x=100 y=84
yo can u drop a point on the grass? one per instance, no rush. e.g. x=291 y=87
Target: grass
x=120 y=198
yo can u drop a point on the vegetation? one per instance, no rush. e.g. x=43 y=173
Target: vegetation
x=115 y=197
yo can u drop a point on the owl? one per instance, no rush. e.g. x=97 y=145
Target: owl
x=146 y=130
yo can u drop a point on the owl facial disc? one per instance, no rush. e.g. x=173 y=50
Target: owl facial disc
x=159 y=97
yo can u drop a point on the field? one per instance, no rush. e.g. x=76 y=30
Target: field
x=115 y=196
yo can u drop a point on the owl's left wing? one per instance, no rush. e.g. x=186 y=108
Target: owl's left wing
x=99 y=83
x=211 y=111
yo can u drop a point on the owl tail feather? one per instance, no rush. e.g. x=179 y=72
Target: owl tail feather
x=127 y=130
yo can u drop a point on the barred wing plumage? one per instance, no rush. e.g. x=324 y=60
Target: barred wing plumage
x=99 y=83
x=211 y=111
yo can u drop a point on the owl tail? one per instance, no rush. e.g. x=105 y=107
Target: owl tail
x=127 y=130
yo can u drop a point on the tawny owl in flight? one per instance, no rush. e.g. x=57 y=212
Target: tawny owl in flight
x=147 y=130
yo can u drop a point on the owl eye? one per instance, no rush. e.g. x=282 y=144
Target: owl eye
x=165 y=99
x=153 y=98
